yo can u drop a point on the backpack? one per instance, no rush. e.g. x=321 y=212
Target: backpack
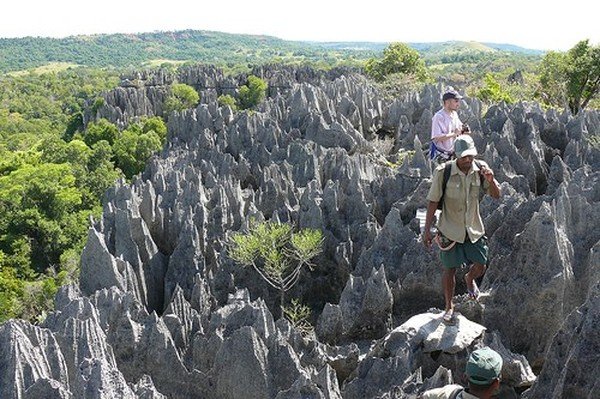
x=447 y=170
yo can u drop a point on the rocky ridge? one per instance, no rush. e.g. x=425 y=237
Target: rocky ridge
x=161 y=311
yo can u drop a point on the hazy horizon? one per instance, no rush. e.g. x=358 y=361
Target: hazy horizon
x=531 y=26
x=263 y=35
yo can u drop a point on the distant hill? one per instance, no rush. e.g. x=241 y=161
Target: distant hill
x=135 y=50
x=123 y=50
x=432 y=48
x=355 y=46
x=514 y=49
x=444 y=48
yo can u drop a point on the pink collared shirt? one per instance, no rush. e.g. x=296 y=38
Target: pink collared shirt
x=443 y=123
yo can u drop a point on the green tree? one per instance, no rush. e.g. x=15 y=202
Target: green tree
x=276 y=253
x=101 y=171
x=571 y=78
x=226 y=99
x=101 y=130
x=397 y=58
x=299 y=315
x=252 y=93
x=74 y=125
x=40 y=207
x=157 y=125
x=48 y=186
x=11 y=289
x=492 y=91
x=133 y=148
x=93 y=168
x=180 y=97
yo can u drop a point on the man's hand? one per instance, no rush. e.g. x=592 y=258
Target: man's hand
x=427 y=238
x=487 y=173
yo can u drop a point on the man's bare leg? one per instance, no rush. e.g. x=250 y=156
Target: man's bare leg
x=476 y=271
x=448 y=284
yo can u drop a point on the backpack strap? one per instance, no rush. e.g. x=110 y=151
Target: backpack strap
x=447 y=170
x=456 y=392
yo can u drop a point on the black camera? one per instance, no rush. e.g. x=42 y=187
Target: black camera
x=465 y=128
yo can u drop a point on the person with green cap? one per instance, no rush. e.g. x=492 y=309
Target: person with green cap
x=483 y=372
x=461 y=235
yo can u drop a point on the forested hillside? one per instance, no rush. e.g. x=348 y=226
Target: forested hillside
x=135 y=50
x=49 y=186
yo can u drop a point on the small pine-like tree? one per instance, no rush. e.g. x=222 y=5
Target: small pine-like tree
x=276 y=252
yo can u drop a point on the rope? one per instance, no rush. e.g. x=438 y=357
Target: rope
x=439 y=244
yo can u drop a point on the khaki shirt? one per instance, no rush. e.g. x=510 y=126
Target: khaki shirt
x=460 y=211
x=446 y=392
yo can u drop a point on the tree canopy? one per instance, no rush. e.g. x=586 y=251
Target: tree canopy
x=397 y=58
x=573 y=78
x=53 y=175
x=181 y=96
x=252 y=93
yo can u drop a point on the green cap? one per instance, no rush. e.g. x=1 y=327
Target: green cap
x=484 y=366
x=464 y=145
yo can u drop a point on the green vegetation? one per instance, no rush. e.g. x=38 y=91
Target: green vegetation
x=397 y=58
x=53 y=175
x=226 y=99
x=137 y=143
x=181 y=96
x=231 y=51
x=276 y=253
x=147 y=49
x=493 y=92
x=47 y=195
x=252 y=93
x=571 y=78
x=298 y=315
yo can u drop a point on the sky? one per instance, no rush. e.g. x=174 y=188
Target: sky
x=528 y=24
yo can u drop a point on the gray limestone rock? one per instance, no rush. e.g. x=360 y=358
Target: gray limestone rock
x=28 y=354
x=162 y=311
x=364 y=310
x=241 y=366
x=533 y=300
x=428 y=333
x=571 y=363
x=516 y=371
x=377 y=375
x=144 y=389
x=47 y=389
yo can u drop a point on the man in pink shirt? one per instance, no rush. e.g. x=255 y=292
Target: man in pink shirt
x=445 y=127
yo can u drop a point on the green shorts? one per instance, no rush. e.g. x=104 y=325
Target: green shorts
x=467 y=252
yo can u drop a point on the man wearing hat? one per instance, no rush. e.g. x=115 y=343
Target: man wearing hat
x=483 y=372
x=446 y=126
x=461 y=235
